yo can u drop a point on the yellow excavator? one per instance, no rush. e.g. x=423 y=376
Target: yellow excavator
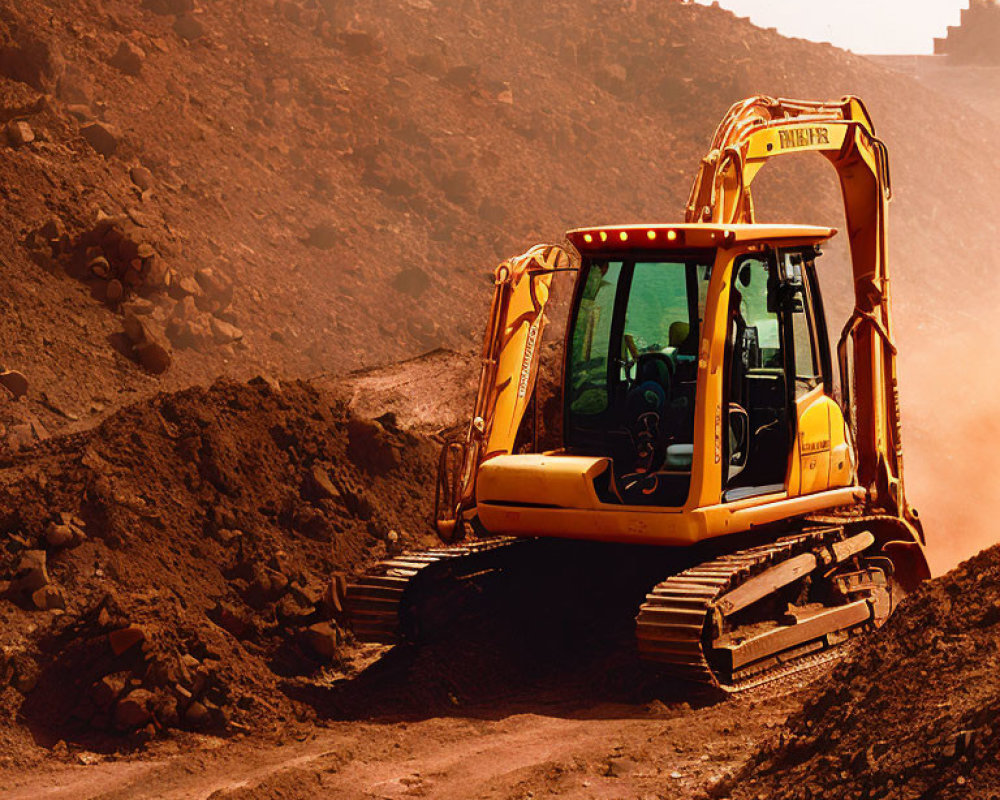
x=699 y=412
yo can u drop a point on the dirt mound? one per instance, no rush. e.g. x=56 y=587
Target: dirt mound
x=912 y=715
x=172 y=567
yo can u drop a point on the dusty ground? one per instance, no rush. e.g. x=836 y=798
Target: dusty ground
x=605 y=751
x=575 y=731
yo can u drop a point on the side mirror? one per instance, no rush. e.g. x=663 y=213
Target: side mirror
x=739 y=439
x=790 y=267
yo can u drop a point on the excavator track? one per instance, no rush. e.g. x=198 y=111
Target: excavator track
x=765 y=613
x=381 y=603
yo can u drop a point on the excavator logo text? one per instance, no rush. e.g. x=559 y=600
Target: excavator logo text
x=529 y=355
x=803 y=137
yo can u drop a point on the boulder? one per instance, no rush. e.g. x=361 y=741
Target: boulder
x=19 y=133
x=184 y=286
x=15 y=383
x=114 y=291
x=154 y=357
x=31 y=60
x=142 y=178
x=323 y=639
x=100 y=267
x=60 y=535
x=107 y=690
x=197 y=715
x=104 y=138
x=369 y=445
x=132 y=710
x=215 y=286
x=32 y=573
x=320 y=484
x=223 y=332
x=189 y=27
x=124 y=639
x=139 y=307
x=48 y=598
x=135 y=328
x=128 y=58
x=231 y=619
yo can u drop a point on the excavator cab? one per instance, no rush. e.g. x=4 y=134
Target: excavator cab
x=697 y=381
x=631 y=374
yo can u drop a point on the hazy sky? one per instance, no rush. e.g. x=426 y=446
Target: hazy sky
x=864 y=26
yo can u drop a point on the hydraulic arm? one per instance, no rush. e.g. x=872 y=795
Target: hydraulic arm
x=506 y=381
x=760 y=128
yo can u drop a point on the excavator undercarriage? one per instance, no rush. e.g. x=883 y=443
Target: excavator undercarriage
x=729 y=619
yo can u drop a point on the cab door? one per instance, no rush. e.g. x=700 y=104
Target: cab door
x=785 y=430
x=759 y=411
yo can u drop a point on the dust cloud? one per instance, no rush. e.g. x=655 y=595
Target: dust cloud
x=943 y=303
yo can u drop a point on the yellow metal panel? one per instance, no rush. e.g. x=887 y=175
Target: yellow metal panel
x=706 y=467
x=637 y=525
x=841 y=451
x=802 y=137
x=538 y=479
x=813 y=441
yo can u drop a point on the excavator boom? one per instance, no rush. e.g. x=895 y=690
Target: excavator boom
x=760 y=128
x=507 y=377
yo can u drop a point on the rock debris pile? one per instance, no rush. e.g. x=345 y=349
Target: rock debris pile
x=183 y=562
x=914 y=714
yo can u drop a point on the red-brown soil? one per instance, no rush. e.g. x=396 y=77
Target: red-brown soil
x=348 y=173
x=913 y=714
x=210 y=523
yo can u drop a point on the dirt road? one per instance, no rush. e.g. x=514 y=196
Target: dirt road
x=528 y=747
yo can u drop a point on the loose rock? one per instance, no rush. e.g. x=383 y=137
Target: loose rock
x=142 y=178
x=19 y=133
x=125 y=639
x=189 y=28
x=132 y=711
x=48 y=598
x=15 y=383
x=104 y=138
x=323 y=638
x=224 y=333
x=128 y=58
x=32 y=573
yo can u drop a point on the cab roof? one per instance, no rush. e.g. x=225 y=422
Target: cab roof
x=659 y=236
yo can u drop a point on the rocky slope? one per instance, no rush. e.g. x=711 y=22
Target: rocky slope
x=349 y=172
x=294 y=186
x=914 y=714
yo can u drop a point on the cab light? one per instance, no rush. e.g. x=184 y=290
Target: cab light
x=671 y=236
x=588 y=238
x=604 y=236
x=650 y=235
x=623 y=236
